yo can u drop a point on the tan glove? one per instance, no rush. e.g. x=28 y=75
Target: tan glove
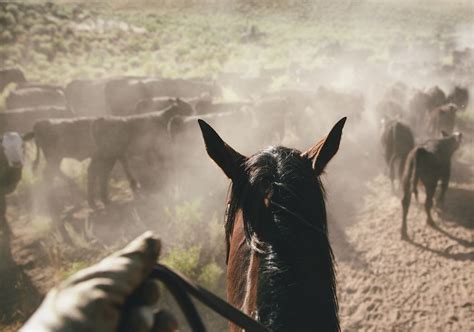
x=113 y=295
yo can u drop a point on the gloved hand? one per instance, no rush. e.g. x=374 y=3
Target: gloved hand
x=113 y=295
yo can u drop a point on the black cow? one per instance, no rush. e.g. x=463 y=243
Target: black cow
x=430 y=163
x=118 y=138
x=397 y=142
x=68 y=138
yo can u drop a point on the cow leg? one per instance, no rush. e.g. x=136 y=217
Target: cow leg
x=430 y=188
x=104 y=175
x=405 y=207
x=5 y=234
x=4 y=227
x=444 y=188
x=401 y=169
x=92 y=172
x=134 y=185
x=414 y=188
x=392 y=171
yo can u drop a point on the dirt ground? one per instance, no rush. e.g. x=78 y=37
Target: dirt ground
x=425 y=284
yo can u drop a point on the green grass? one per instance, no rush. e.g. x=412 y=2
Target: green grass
x=187 y=42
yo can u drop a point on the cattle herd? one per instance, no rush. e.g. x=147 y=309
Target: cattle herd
x=116 y=119
x=431 y=115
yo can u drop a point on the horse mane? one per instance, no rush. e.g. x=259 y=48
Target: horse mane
x=294 y=192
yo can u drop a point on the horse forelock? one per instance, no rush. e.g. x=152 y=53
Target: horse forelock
x=276 y=182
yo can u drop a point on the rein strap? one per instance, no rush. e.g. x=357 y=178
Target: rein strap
x=180 y=286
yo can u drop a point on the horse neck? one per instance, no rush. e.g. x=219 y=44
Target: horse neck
x=296 y=288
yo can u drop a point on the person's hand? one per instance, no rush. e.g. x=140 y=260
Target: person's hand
x=113 y=295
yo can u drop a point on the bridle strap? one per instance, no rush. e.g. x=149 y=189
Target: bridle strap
x=180 y=286
x=226 y=218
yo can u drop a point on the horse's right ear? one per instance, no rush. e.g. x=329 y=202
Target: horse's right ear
x=223 y=155
x=323 y=151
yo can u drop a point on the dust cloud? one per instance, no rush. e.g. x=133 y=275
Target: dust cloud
x=321 y=61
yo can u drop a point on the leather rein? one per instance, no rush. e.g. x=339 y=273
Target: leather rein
x=180 y=287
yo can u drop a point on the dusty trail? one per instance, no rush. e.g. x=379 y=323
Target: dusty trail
x=386 y=284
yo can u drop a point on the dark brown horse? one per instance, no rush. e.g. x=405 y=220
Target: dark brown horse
x=280 y=263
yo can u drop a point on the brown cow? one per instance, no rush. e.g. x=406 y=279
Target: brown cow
x=118 y=138
x=422 y=103
x=430 y=163
x=397 y=142
x=460 y=97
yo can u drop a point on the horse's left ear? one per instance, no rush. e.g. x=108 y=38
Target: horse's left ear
x=224 y=156
x=323 y=151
